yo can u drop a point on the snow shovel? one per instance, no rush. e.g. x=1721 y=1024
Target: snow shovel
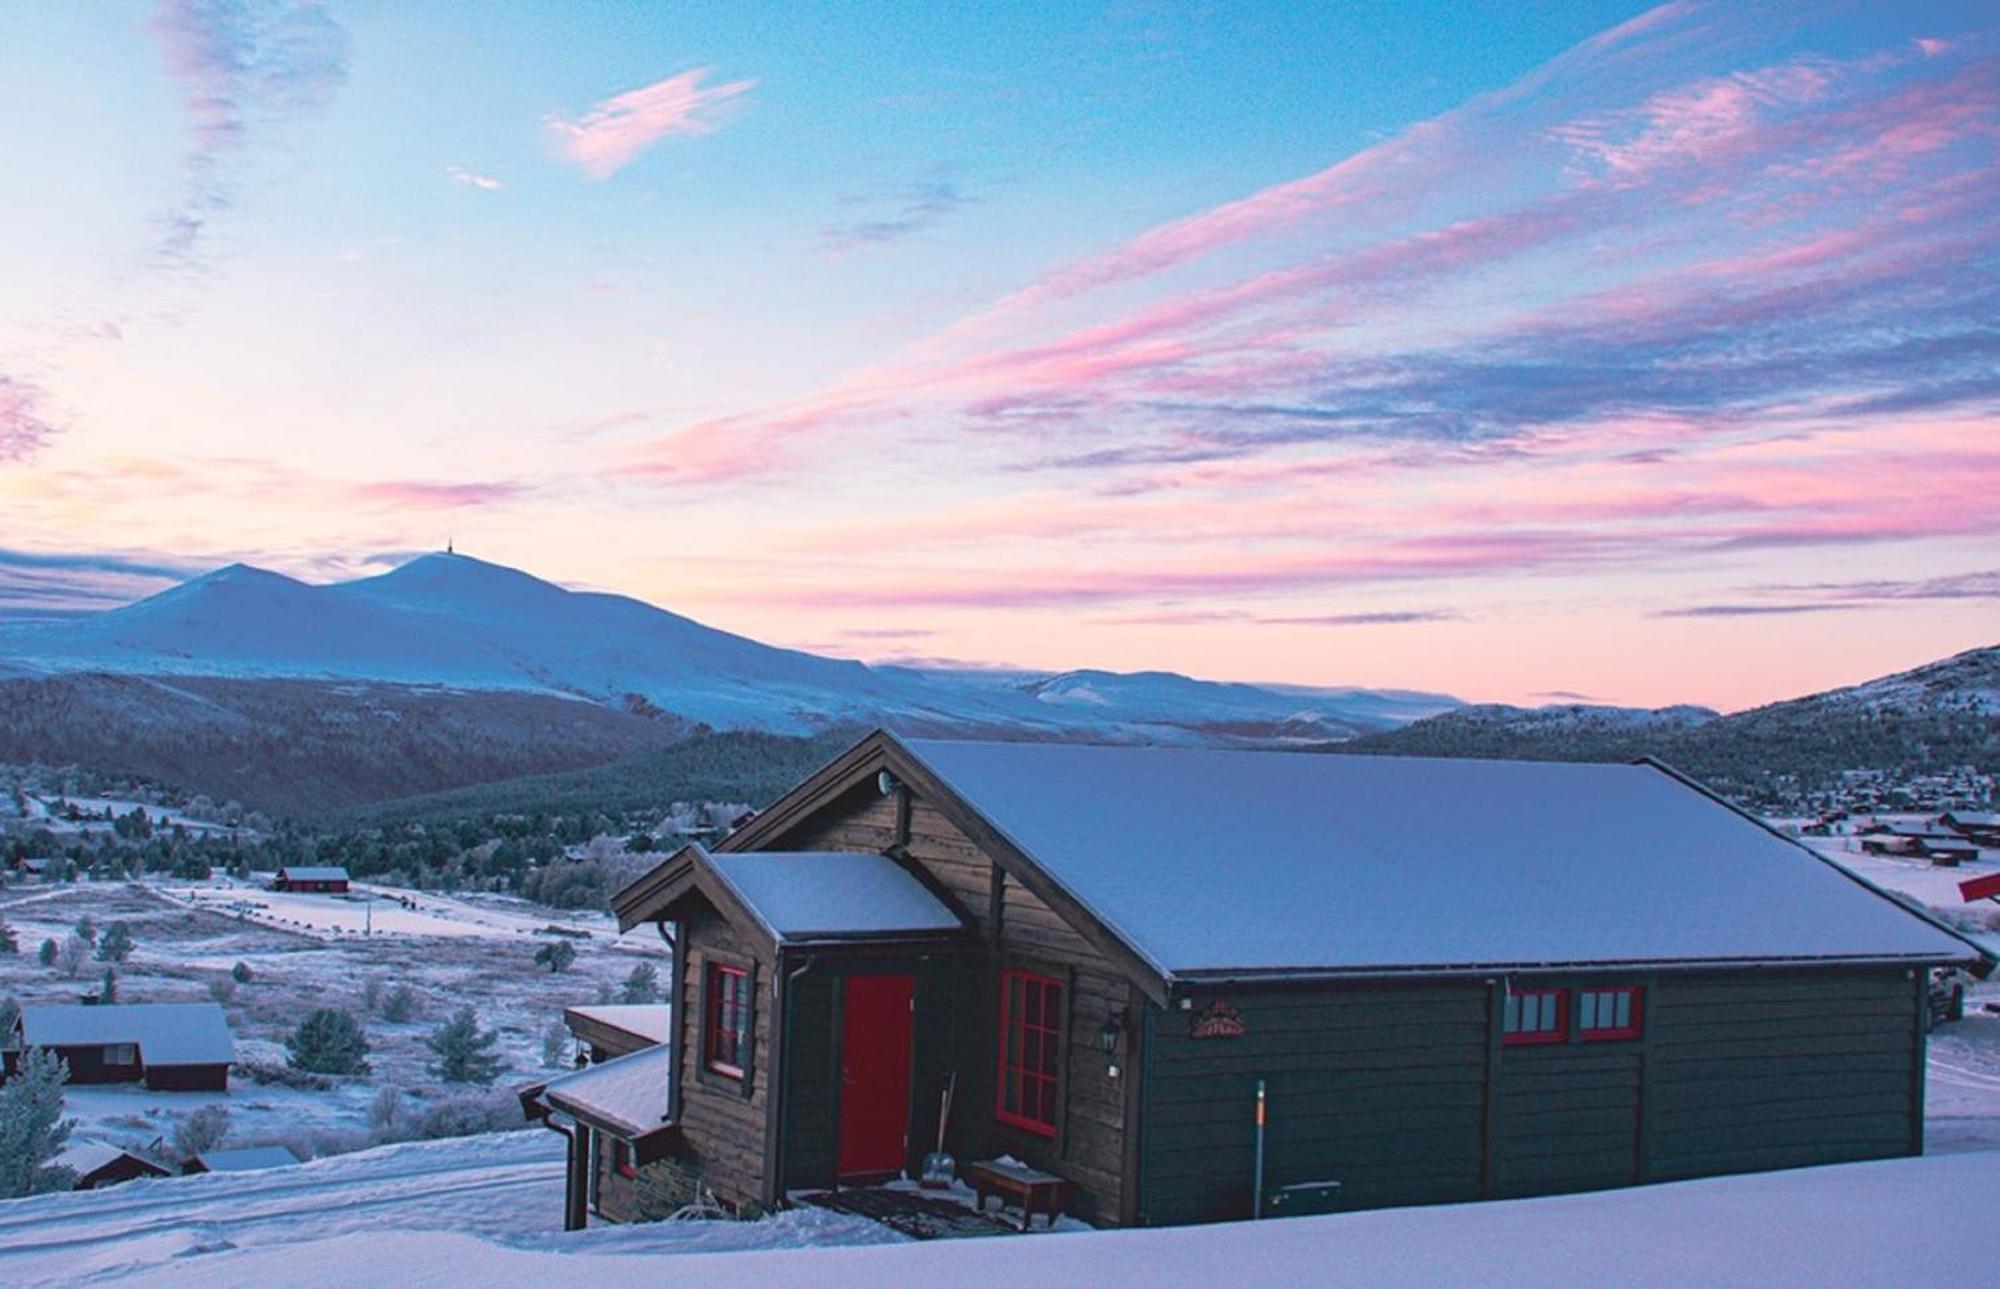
x=940 y=1169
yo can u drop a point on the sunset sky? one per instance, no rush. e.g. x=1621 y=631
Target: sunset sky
x=1519 y=351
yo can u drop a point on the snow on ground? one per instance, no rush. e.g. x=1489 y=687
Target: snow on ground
x=452 y=1213
x=447 y=950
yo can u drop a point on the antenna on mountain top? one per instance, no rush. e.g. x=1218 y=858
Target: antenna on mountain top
x=447 y=547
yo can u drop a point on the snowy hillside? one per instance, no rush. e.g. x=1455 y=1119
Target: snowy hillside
x=453 y=621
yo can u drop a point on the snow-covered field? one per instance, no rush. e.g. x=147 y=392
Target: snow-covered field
x=481 y=1210
x=307 y=951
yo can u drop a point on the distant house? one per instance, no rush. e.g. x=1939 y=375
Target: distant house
x=241 y=1160
x=1941 y=848
x=1443 y=990
x=98 y=1163
x=321 y=880
x=30 y=867
x=1979 y=826
x=170 y=1047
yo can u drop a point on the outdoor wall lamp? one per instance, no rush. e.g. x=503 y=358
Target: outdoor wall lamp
x=1110 y=1038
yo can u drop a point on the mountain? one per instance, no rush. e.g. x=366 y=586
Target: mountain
x=1923 y=721
x=296 y=697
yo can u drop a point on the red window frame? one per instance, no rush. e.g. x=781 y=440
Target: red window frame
x=1518 y=1005
x=1029 y=1086
x=1591 y=1011
x=728 y=1019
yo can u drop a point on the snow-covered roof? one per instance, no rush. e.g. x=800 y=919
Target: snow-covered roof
x=86 y=1157
x=166 y=1033
x=800 y=895
x=1219 y=861
x=311 y=873
x=631 y=1092
x=651 y=1021
x=242 y=1159
x=1974 y=818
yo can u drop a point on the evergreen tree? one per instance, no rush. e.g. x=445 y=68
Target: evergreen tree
x=86 y=929
x=400 y=1005
x=240 y=973
x=464 y=1052
x=47 y=953
x=32 y=1129
x=107 y=992
x=641 y=985
x=115 y=945
x=328 y=1042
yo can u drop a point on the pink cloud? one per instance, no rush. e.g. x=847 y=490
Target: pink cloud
x=420 y=494
x=24 y=423
x=605 y=139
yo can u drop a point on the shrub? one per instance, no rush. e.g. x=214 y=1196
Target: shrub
x=201 y=1130
x=9 y=942
x=266 y=1074
x=555 y=1044
x=222 y=989
x=557 y=956
x=328 y=1042
x=371 y=993
x=47 y=953
x=86 y=929
x=400 y=1005
x=464 y=1052
x=74 y=953
x=116 y=943
x=240 y=973
x=641 y=985
x=467 y=1116
x=385 y=1112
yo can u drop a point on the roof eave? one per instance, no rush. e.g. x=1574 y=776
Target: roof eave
x=1211 y=976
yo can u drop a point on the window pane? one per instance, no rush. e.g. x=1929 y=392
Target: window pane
x=1512 y=1012
x=1586 y=1010
x=1624 y=1010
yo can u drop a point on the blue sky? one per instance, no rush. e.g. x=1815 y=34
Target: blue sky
x=1489 y=348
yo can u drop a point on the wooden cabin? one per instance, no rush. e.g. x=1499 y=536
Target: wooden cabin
x=321 y=880
x=98 y=1164
x=1435 y=990
x=170 y=1047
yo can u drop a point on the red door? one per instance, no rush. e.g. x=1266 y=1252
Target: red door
x=875 y=1075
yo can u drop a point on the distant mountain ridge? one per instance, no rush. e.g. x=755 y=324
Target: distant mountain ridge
x=448 y=620
x=1928 y=719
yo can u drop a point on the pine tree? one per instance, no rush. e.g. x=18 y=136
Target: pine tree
x=328 y=1042
x=107 y=992
x=86 y=929
x=641 y=985
x=240 y=973
x=47 y=953
x=115 y=945
x=32 y=1129
x=464 y=1052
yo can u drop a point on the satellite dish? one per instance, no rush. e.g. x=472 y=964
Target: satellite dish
x=885 y=783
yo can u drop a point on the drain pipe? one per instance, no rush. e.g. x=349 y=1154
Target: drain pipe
x=1257 y=1196
x=576 y=1181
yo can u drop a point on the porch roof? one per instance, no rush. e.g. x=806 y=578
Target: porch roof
x=808 y=895
x=630 y=1095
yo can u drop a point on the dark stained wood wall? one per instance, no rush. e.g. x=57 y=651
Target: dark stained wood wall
x=1089 y=1145
x=812 y=1095
x=1776 y=1069
x=1378 y=1087
x=722 y=1131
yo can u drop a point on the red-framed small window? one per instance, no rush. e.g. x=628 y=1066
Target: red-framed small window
x=1616 y=1012
x=621 y=1158
x=1536 y=1016
x=1031 y=1018
x=728 y=1019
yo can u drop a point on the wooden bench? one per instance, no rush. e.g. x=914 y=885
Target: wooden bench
x=1032 y=1188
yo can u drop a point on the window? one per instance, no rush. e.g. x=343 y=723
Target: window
x=728 y=1019
x=1536 y=1016
x=1031 y=1022
x=1608 y=1013
x=121 y=1054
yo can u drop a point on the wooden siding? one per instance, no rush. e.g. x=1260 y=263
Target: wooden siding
x=1779 y=1069
x=1089 y=1146
x=1378 y=1087
x=1566 y=1117
x=722 y=1131
x=812 y=1089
